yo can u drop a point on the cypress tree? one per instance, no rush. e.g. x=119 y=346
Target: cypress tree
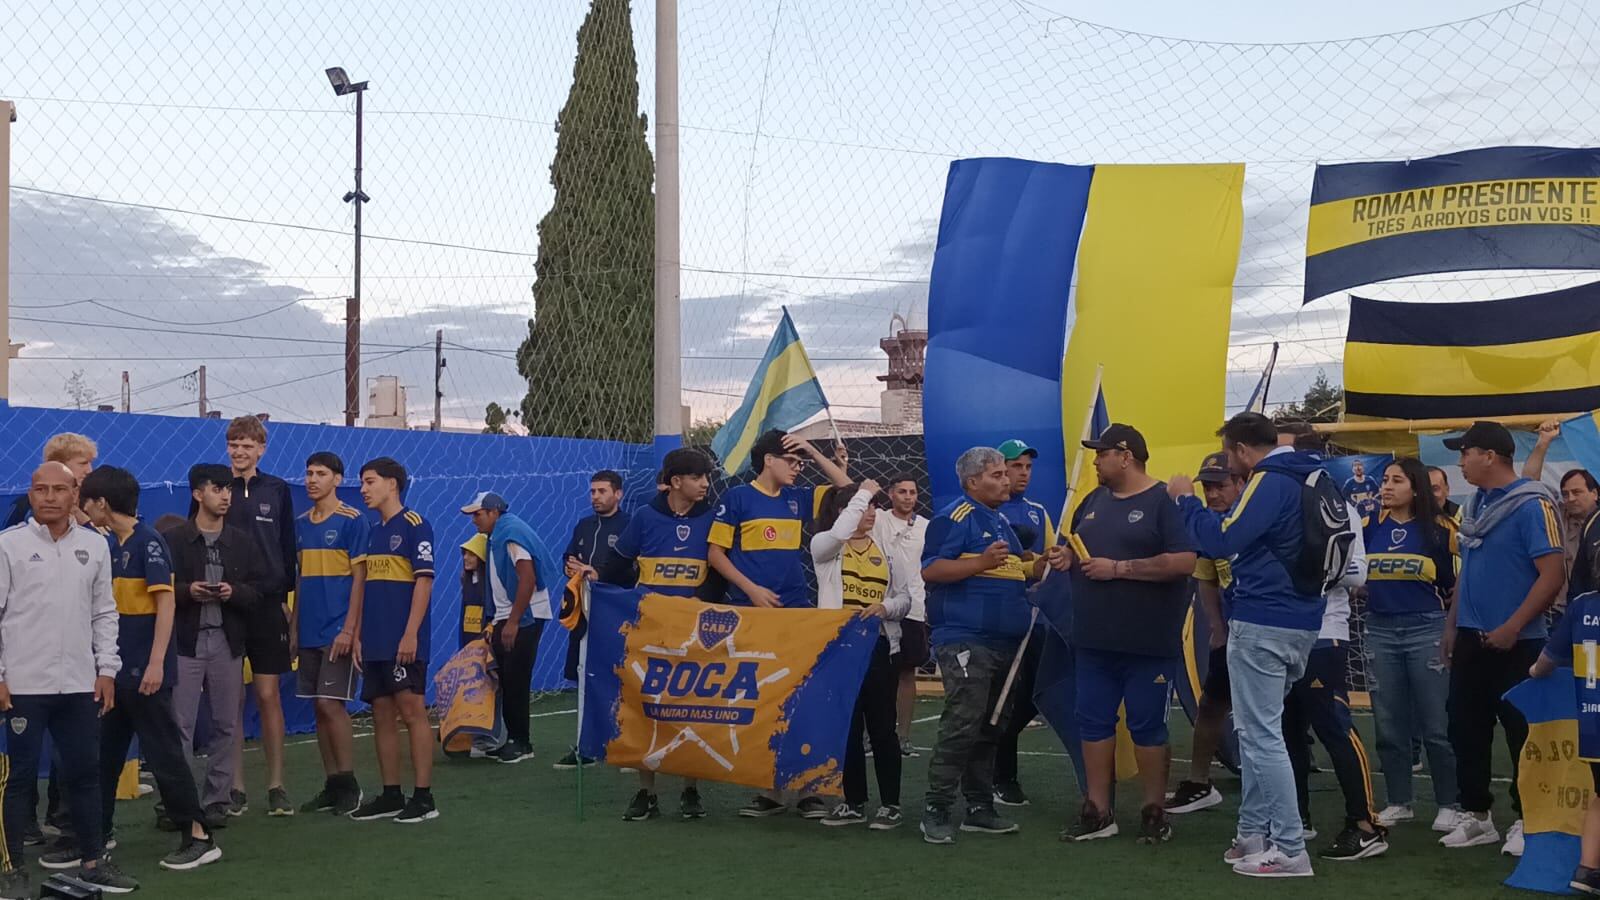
x=589 y=352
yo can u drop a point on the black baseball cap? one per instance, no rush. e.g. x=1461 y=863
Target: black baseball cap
x=1485 y=436
x=1121 y=437
x=1214 y=469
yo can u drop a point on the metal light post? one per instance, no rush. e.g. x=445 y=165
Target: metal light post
x=352 y=311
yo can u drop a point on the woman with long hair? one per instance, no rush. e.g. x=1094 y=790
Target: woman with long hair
x=853 y=572
x=1411 y=580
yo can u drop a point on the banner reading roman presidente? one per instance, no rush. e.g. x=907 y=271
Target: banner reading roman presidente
x=1495 y=208
x=759 y=697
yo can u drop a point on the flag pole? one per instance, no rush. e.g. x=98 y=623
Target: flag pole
x=1066 y=508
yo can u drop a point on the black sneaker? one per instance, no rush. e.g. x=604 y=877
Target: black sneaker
x=761 y=807
x=1584 y=881
x=812 y=808
x=347 y=798
x=238 y=803
x=888 y=818
x=192 y=854
x=419 y=808
x=1154 y=826
x=384 y=806
x=643 y=806
x=107 y=877
x=846 y=814
x=984 y=820
x=278 y=803
x=1010 y=794
x=62 y=854
x=937 y=828
x=513 y=752
x=689 y=805
x=1193 y=796
x=33 y=836
x=1092 y=825
x=216 y=817
x=572 y=761
x=907 y=751
x=1353 y=843
x=322 y=802
x=15 y=885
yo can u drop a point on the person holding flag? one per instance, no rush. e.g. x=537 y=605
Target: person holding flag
x=755 y=543
x=1031 y=521
x=1129 y=601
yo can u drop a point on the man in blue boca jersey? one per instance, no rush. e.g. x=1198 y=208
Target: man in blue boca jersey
x=1511 y=570
x=1270 y=635
x=972 y=562
x=1031 y=522
x=756 y=544
x=592 y=549
x=664 y=545
x=521 y=572
x=1361 y=489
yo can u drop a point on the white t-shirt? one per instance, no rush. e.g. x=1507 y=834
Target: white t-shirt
x=539 y=605
x=1336 y=615
x=903 y=541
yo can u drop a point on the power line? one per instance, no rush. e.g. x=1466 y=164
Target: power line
x=209 y=334
x=290 y=381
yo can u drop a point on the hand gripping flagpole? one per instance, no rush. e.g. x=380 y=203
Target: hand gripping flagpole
x=1066 y=509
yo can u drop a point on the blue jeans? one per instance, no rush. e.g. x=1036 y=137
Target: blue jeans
x=1409 y=702
x=1263 y=663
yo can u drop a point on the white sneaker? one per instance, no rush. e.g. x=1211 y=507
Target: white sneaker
x=1513 y=845
x=1447 y=819
x=1471 y=831
x=1277 y=865
x=1246 y=849
x=1395 y=813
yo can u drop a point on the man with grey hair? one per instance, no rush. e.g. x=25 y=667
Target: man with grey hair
x=976 y=573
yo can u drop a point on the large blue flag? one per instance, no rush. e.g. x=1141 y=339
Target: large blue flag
x=760 y=697
x=783 y=394
x=1555 y=785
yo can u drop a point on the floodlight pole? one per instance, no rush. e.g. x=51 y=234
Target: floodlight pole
x=8 y=114
x=668 y=344
x=352 y=309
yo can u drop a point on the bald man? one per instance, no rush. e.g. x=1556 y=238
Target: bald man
x=58 y=664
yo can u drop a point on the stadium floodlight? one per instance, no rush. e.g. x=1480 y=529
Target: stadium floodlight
x=341 y=82
x=342 y=86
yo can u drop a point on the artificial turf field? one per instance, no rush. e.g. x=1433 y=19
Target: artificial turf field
x=514 y=831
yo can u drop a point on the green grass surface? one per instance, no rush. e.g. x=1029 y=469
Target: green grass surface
x=514 y=831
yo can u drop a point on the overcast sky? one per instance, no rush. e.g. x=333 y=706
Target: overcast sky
x=177 y=171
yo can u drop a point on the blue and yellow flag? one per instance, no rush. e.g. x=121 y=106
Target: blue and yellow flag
x=783 y=394
x=464 y=698
x=1494 y=208
x=1555 y=784
x=759 y=697
x=1472 y=359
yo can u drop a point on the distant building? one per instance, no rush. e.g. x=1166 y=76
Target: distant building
x=900 y=404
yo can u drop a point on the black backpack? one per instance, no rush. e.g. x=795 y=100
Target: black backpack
x=1328 y=536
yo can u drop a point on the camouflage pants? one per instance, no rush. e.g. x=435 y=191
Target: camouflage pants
x=963 y=756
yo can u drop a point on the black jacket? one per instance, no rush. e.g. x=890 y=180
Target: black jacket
x=594 y=542
x=264 y=508
x=241 y=567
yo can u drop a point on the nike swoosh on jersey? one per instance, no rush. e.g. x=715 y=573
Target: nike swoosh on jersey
x=678 y=549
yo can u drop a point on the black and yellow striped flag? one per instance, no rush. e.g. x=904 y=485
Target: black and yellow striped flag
x=1525 y=355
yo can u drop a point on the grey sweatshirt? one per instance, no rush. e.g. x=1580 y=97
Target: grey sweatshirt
x=58 y=617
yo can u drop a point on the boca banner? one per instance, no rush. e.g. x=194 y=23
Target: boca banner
x=1495 y=208
x=758 y=697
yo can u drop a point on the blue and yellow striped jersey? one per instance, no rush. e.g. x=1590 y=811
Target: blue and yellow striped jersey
x=398 y=552
x=670 y=549
x=988 y=608
x=329 y=549
x=762 y=534
x=141 y=568
x=1575 y=641
x=1409 y=570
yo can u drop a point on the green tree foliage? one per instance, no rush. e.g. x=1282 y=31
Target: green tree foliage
x=1323 y=402
x=494 y=419
x=588 y=356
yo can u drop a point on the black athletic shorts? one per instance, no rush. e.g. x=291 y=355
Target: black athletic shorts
x=1217 y=684
x=913 y=645
x=387 y=678
x=266 y=638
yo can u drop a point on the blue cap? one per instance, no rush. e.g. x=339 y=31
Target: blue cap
x=485 y=500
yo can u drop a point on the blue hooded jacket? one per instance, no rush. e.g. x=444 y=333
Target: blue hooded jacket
x=512 y=530
x=1261 y=537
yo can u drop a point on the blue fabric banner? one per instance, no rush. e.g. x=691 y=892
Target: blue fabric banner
x=997 y=316
x=1494 y=208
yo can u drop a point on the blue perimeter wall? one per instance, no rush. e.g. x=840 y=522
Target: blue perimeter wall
x=545 y=480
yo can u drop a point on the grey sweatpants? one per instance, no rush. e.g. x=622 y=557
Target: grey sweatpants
x=218 y=675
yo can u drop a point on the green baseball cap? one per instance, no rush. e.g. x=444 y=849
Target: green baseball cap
x=1015 y=449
